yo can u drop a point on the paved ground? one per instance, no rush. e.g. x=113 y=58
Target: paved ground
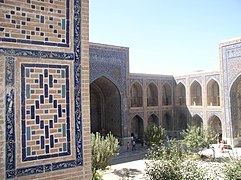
x=131 y=164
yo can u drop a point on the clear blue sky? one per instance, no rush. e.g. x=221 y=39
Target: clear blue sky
x=166 y=37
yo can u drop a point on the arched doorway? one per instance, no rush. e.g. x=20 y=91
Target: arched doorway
x=105 y=104
x=197 y=121
x=215 y=125
x=137 y=127
x=152 y=95
x=153 y=120
x=196 y=94
x=136 y=95
x=213 y=98
x=235 y=100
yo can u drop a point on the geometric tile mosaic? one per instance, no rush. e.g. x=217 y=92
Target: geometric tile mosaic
x=39 y=22
x=45 y=111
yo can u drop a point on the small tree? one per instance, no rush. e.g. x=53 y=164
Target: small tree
x=154 y=135
x=103 y=148
x=196 y=139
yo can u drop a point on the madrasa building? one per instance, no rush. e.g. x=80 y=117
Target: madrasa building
x=126 y=103
x=56 y=87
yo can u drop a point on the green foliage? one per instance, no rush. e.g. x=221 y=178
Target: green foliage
x=169 y=162
x=196 y=138
x=103 y=148
x=232 y=169
x=154 y=135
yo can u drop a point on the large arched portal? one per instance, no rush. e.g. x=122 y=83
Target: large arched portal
x=235 y=100
x=105 y=107
x=137 y=127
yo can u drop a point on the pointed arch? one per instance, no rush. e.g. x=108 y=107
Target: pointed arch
x=136 y=94
x=180 y=94
x=197 y=121
x=196 y=94
x=105 y=107
x=137 y=127
x=153 y=120
x=152 y=95
x=167 y=121
x=235 y=101
x=213 y=94
x=166 y=95
x=215 y=124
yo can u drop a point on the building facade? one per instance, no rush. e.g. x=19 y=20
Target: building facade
x=126 y=103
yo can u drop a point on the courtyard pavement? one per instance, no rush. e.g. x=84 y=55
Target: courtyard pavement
x=131 y=164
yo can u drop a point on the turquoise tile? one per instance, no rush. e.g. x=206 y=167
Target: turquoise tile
x=63 y=91
x=28 y=133
x=28 y=151
x=42 y=19
x=28 y=91
x=64 y=147
x=63 y=130
x=63 y=24
x=63 y=73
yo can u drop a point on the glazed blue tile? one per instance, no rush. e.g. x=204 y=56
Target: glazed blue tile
x=37 y=104
x=41 y=124
x=51 y=141
x=63 y=24
x=59 y=110
x=42 y=19
x=47 y=149
x=44 y=156
x=63 y=73
x=68 y=135
x=68 y=122
x=46 y=90
x=41 y=99
x=50 y=81
x=37 y=142
x=56 y=140
x=64 y=147
x=42 y=142
x=23 y=126
x=33 y=132
x=50 y=98
x=55 y=103
x=37 y=119
x=51 y=124
x=46 y=73
x=55 y=118
x=46 y=132
x=27 y=72
x=55 y=81
x=32 y=112
x=41 y=81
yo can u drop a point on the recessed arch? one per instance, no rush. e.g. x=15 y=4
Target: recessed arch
x=136 y=94
x=181 y=121
x=105 y=107
x=153 y=120
x=215 y=124
x=197 y=121
x=180 y=94
x=235 y=102
x=166 y=95
x=213 y=94
x=196 y=94
x=137 y=127
x=167 y=121
x=152 y=95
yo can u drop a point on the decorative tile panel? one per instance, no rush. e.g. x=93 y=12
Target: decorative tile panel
x=45 y=111
x=35 y=22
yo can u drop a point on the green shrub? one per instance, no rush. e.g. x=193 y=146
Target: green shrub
x=196 y=138
x=103 y=148
x=232 y=169
x=154 y=135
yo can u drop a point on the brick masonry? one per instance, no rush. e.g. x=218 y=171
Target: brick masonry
x=44 y=92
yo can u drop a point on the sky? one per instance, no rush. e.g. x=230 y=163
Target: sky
x=173 y=37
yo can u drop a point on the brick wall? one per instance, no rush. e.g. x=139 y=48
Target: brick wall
x=44 y=92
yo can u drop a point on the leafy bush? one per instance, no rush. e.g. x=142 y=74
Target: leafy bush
x=196 y=138
x=103 y=148
x=232 y=169
x=154 y=135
